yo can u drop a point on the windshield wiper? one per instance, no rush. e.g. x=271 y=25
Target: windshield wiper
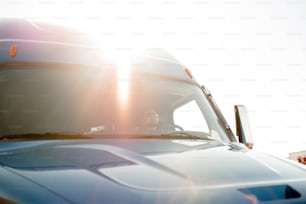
x=171 y=135
x=44 y=136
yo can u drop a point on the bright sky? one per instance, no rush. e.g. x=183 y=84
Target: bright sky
x=249 y=52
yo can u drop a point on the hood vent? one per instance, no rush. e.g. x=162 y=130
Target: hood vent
x=271 y=193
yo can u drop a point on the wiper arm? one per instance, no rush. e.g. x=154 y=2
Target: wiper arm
x=44 y=136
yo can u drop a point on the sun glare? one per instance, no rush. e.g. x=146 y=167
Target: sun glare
x=123 y=74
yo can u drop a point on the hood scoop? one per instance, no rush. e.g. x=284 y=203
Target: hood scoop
x=270 y=193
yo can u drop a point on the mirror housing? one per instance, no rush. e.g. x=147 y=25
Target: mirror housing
x=243 y=130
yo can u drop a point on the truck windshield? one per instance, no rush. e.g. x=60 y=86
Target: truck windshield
x=57 y=98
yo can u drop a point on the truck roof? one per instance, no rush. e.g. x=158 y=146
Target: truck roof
x=27 y=41
x=22 y=29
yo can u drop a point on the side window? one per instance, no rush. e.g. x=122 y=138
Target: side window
x=190 y=118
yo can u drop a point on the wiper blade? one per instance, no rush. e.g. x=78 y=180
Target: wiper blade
x=172 y=135
x=44 y=136
x=181 y=134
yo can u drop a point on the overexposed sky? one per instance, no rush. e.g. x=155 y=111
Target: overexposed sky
x=250 y=52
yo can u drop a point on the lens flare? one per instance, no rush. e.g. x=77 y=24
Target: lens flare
x=123 y=65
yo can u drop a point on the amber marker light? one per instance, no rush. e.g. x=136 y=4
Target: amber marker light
x=13 y=50
x=188 y=72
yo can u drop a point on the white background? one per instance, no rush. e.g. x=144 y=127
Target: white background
x=250 y=52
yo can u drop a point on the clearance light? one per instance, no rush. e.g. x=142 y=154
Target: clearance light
x=188 y=72
x=13 y=50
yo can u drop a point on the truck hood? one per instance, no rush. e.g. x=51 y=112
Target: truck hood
x=79 y=171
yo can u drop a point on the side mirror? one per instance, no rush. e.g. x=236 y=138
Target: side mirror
x=243 y=130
